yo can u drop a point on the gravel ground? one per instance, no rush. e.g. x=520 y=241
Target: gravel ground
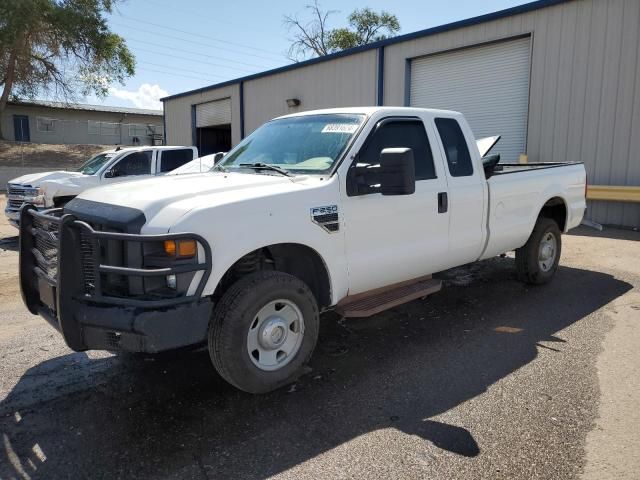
x=489 y=378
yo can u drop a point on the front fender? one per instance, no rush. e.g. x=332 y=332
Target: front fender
x=236 y=230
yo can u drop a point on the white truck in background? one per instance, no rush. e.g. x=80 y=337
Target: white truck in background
x=199 y=165
x=54 y=189
x=353 y=209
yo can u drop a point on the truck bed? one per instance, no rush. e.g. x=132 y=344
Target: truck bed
x=505 y=168
x=516 y=200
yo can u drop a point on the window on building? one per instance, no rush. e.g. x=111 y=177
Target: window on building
x=138 y=130
x=172 y=159
x=107 y=128
x=397 y=134
x=46 y=125
x=455 y=147
x=93 y=127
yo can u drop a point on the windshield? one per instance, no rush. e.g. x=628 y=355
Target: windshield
x=306 y=144
x=94 y=164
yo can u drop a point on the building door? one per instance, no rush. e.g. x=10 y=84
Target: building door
x=21 y=128
x=489 y=84
x=213 y=126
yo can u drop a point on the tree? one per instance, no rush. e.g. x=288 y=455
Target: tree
x=366 y=26
x=314 y=37
x=59 y=48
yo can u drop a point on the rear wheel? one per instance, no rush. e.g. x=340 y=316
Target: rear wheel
x=263 y=331
x=537 y=261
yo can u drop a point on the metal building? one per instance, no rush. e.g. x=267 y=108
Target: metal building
x=559 y=79
x=73 y=123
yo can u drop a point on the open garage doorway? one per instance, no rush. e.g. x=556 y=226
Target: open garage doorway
x=213 y=139
x=213 y=126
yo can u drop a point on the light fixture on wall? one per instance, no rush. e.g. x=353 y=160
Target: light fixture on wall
x=293 y=102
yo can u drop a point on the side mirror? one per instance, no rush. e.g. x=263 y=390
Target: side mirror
x=394 y=174
x=489 y=164
x=111 y=173
x=397 y=172
x=217 y=157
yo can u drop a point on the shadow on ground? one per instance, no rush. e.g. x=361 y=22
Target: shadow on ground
x=173 y=415
x=9 y=243
x=616 y=233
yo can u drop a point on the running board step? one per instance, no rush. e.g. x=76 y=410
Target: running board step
x=375 y=301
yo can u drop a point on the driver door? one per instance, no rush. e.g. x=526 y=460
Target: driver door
x=390 y=239
x=133 y=165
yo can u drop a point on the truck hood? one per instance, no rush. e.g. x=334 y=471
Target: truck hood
x=36 y=179
x=173 y=196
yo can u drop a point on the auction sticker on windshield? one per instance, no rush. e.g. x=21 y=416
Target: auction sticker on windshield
x=340 y=128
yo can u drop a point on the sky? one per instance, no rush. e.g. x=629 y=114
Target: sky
x=187 y=44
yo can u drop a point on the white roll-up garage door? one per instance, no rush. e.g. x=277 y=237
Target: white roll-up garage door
x=213 y=113
x=489 y=84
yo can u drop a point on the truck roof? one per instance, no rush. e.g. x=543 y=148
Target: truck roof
x=371 y=110
x=144 y=147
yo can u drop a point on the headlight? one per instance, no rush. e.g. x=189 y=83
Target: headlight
x=35 y=196
x=181 y=248
x=169 y=253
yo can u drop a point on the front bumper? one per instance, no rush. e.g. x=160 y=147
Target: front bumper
x=13 y=215
x=63 y=271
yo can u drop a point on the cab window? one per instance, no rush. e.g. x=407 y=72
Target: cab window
x=397 y=134
x=136 y=163
x=455 y=147
x=172 y=159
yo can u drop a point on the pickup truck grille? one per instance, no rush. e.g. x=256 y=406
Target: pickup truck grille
x=14 y=204
x=88 y=263
x=18 y=193
x=17 y=189
x=45 y=233
x=99 y=265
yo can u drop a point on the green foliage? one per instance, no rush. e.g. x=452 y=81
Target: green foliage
x=315 y=38
x=60 y=48
x=365 y=26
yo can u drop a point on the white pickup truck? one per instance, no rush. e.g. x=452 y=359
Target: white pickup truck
x=54 y=189
x=353 y=209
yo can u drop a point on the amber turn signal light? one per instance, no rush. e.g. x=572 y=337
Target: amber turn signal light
x=181 y=248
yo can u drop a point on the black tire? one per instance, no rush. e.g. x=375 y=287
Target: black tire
x=234 y=315
x=527 y=257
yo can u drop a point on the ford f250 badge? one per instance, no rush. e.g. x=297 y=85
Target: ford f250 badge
x=326 y=217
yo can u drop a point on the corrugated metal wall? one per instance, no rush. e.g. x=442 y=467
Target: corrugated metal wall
x=178 y=114
x=489 y=84
x=584 y=99
x=70 y=126
x=344 y=82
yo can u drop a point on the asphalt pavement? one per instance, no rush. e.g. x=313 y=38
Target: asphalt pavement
x=488 y=378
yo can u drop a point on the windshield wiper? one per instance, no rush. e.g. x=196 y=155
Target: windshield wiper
x=266 y=166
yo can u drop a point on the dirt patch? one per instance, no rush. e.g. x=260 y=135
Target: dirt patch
x=9 y=287
x=59 y=157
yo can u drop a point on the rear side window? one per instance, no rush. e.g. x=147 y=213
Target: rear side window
x=136 y=163
x=455 y=147
x=172 y=159
x=397 y=134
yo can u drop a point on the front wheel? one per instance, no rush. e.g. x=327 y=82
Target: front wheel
x=263 y=331
x=537 y=261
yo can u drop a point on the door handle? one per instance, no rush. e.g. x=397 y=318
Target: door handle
x=443 y=202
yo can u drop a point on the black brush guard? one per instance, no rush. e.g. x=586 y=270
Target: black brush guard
x=59 y=254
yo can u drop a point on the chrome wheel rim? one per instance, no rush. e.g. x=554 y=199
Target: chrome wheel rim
x=275 y=335
x=547 y=252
